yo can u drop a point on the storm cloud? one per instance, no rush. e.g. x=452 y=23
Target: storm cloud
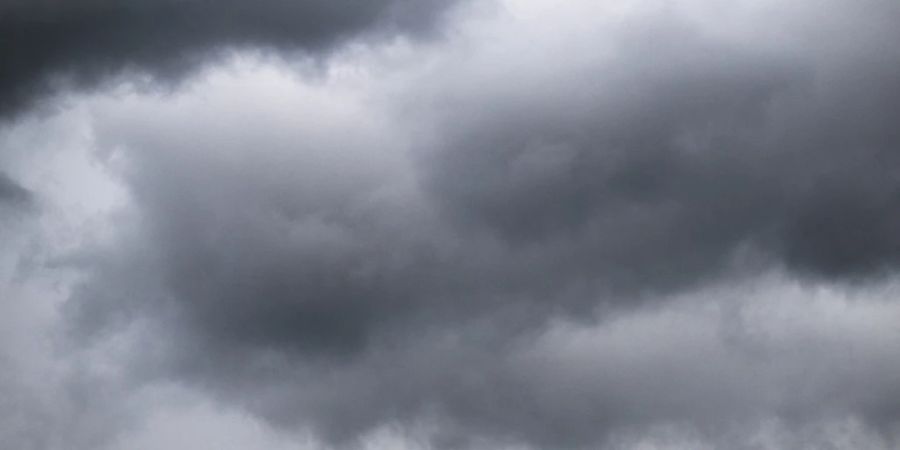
x=592 y=225
x=51 y=45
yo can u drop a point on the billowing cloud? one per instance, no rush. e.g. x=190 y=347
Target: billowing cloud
x=10 y=191
x=659 y=154
x=49 y=44
x=596 y=225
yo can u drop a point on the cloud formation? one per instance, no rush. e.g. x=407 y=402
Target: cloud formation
x=11 y=193
x=48 y=44
x=595 y=225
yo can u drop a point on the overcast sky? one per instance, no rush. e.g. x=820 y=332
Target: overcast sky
x=433 y=224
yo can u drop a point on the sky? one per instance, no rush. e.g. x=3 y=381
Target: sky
x=449 y=224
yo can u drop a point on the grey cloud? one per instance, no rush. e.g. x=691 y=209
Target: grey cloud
x=49 y=401
x=665 y=166
x=647 y=177
x=394 y=259
x=45 y=45
x=684 y=365
x=11 y=192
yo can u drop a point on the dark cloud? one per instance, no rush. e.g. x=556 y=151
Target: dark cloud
x=47 y=44
x=647 y=177
x=663 y=167
x=402 y=256
x=11 y=192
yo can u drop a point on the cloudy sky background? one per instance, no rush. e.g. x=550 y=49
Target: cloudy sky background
x=399 y=224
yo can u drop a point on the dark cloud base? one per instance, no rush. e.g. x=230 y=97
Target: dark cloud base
x=405 y=285
x=49 y=45
x=11 y=192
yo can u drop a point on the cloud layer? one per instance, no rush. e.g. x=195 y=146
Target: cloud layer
x=613 y=225
x=49 y=44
